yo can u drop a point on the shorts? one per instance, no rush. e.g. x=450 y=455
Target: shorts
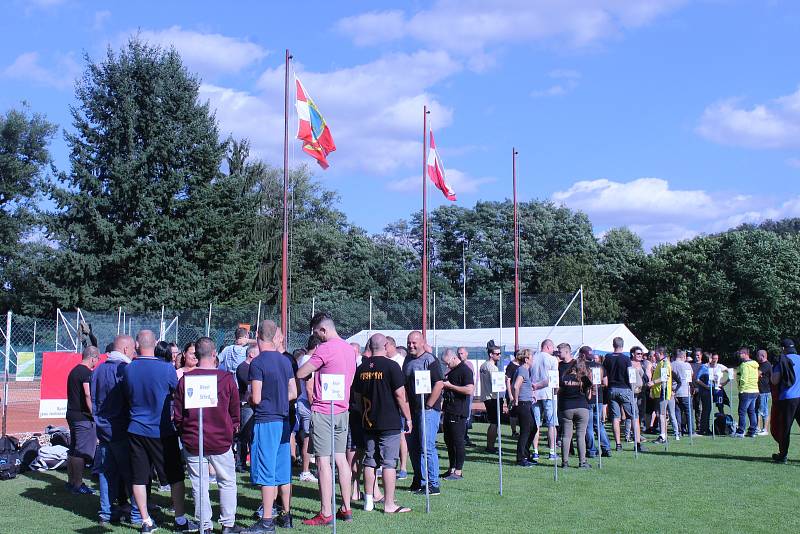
x=321 y=433
x=382 y=449
x=491 y=410
x=270 y=454
x=763 y=405
x=355 y=433
x=82 y=440
x=304 y=418
x=546 y=406
x=621 y=399
x=162 y=455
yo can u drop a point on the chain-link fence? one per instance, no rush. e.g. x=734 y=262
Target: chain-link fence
x=30 y=337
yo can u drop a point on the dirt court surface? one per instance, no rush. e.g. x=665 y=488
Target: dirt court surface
x=23 y=409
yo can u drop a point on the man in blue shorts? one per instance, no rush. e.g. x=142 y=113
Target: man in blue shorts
x=272 y=388
x=541 y=364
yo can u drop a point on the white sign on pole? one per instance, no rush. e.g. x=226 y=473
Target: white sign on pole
x=200 y=391
x=332 y=387
x=422 y=382
x=596 y=376
x=731 y=375
x=687 y=375
x=552 y=378
x=632 y=376
x=498 y=382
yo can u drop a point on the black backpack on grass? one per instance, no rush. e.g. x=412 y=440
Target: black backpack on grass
x=9 y=458
x=723 y=424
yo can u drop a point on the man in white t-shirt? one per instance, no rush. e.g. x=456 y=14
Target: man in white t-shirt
x=720 y=375
x=542 y=363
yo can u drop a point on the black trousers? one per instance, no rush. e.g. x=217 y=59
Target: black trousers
x=527 y=428
x=790 y=412
x=455 y=428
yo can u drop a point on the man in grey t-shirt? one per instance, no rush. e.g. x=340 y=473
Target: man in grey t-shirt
x=543 y=410
x=683 y=398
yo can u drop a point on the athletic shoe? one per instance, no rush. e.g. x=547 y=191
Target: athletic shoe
x=553 y=456
x=515 y=434
x=233 y=529
x=317 y=521
x=750 y=435
x=677 y=438
x=584 y=465
x=165 y=488
x=148 y=527
x=307 y=476
x=564 y=465
x=414 y=487
x=661 y=440
x=344 y=515
x=535 y=455
x=591 y=454
x=526 y=463
x=402 y=475
x=262 y=526
x=284 y=520
x=434 y=490
x=453 y=476
x=628 y=439
x=737 y=435
x=606 y=453
x=640 y=448
x=763 y=432
x=82 y=490
x=619 y=447
x=778 y=459
x=188 y=526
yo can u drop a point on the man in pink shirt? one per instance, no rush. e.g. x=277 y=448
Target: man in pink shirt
x=333 y=356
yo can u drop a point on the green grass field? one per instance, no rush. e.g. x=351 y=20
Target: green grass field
x=720 y=485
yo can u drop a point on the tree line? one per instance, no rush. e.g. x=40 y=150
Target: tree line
x=157 y=208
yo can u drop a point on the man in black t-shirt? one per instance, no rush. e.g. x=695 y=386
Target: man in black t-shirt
x=82 y=435
x=458 y=387
x=245 y=435
x=379 y=388
x=620 y=392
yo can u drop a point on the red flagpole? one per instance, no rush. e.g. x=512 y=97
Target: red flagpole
x=516 y=251
x=424 y=223
x=285 y=250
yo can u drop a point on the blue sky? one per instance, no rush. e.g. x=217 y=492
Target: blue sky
x=671 y=117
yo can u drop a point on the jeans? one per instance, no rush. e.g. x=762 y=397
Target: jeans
x=455 y=427
x=763 y=405
x=590 y=442
x=684 y=413
x=114 y=472
x=672 y=416
x=747 y=409
x=226 y=480
x=705 y=414
x=415 y=451
x=527 y=429
x=577 y=418
x=245 y=435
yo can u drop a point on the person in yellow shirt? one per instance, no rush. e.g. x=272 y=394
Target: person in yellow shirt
x=661 y=390
x=748 y=393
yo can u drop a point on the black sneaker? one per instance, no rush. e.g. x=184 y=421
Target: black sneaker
x=414 y=487
x=434 y=490
x=526 y=463
x=262 y=526
x=606 y=453
x=661 y=440
x=188 y=526
x=640 y=448
x=584 y=465
x=619 y=447
x=148 y=527
x=778 y=459
x=284 y=520
x=233 y=529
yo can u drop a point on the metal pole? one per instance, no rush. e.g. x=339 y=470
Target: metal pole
x=464 y=289
x=424 y=223
x=501 y=319
x=691 y=409
x=285 y=241
x=176 y=330
x=599 y=413
x=77 y=328
x=711 y=407
x=425 y=453
x=5 y=370
x=130 y=326
x=435 y=341
x=516 y=251
x=563 y=314
x=208 y=323
x=499 y=444
x=119 y=318
x=333 y=472
x=202 y=467
x=258 y=317
x=33 y=348
x=161 y=335
x=633 y=421
x=124 y=322
x=57 y=321
x=313 y=306
x=370 y=316
x=552 y=431
x=582 y=326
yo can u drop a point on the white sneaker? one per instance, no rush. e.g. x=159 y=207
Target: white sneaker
x=677 y=437
x=763 y=433
x=307 y=476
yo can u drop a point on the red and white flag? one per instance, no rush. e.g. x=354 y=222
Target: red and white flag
x=436 y=171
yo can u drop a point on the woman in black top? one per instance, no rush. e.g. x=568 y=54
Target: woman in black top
x=574 y=392
x=458 y=387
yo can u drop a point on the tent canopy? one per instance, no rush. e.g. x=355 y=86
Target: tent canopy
x=598 y=336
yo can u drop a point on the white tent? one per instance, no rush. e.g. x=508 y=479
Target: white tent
x=597 y=336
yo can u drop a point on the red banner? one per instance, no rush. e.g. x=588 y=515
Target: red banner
x=55 y=370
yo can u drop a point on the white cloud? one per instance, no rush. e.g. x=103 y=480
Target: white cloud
x=210 y=54
x=100 y=19
x=27 y=66
x=772 y=125
x=461 y=182
x=567 y=81
x=374 y=110
x=468 y=26
x=658 y=213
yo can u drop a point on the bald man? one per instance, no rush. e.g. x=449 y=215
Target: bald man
x=425 y=410
x=83 y=440
x=149 y=385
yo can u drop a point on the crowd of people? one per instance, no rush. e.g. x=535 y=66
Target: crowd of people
x=128 y=419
